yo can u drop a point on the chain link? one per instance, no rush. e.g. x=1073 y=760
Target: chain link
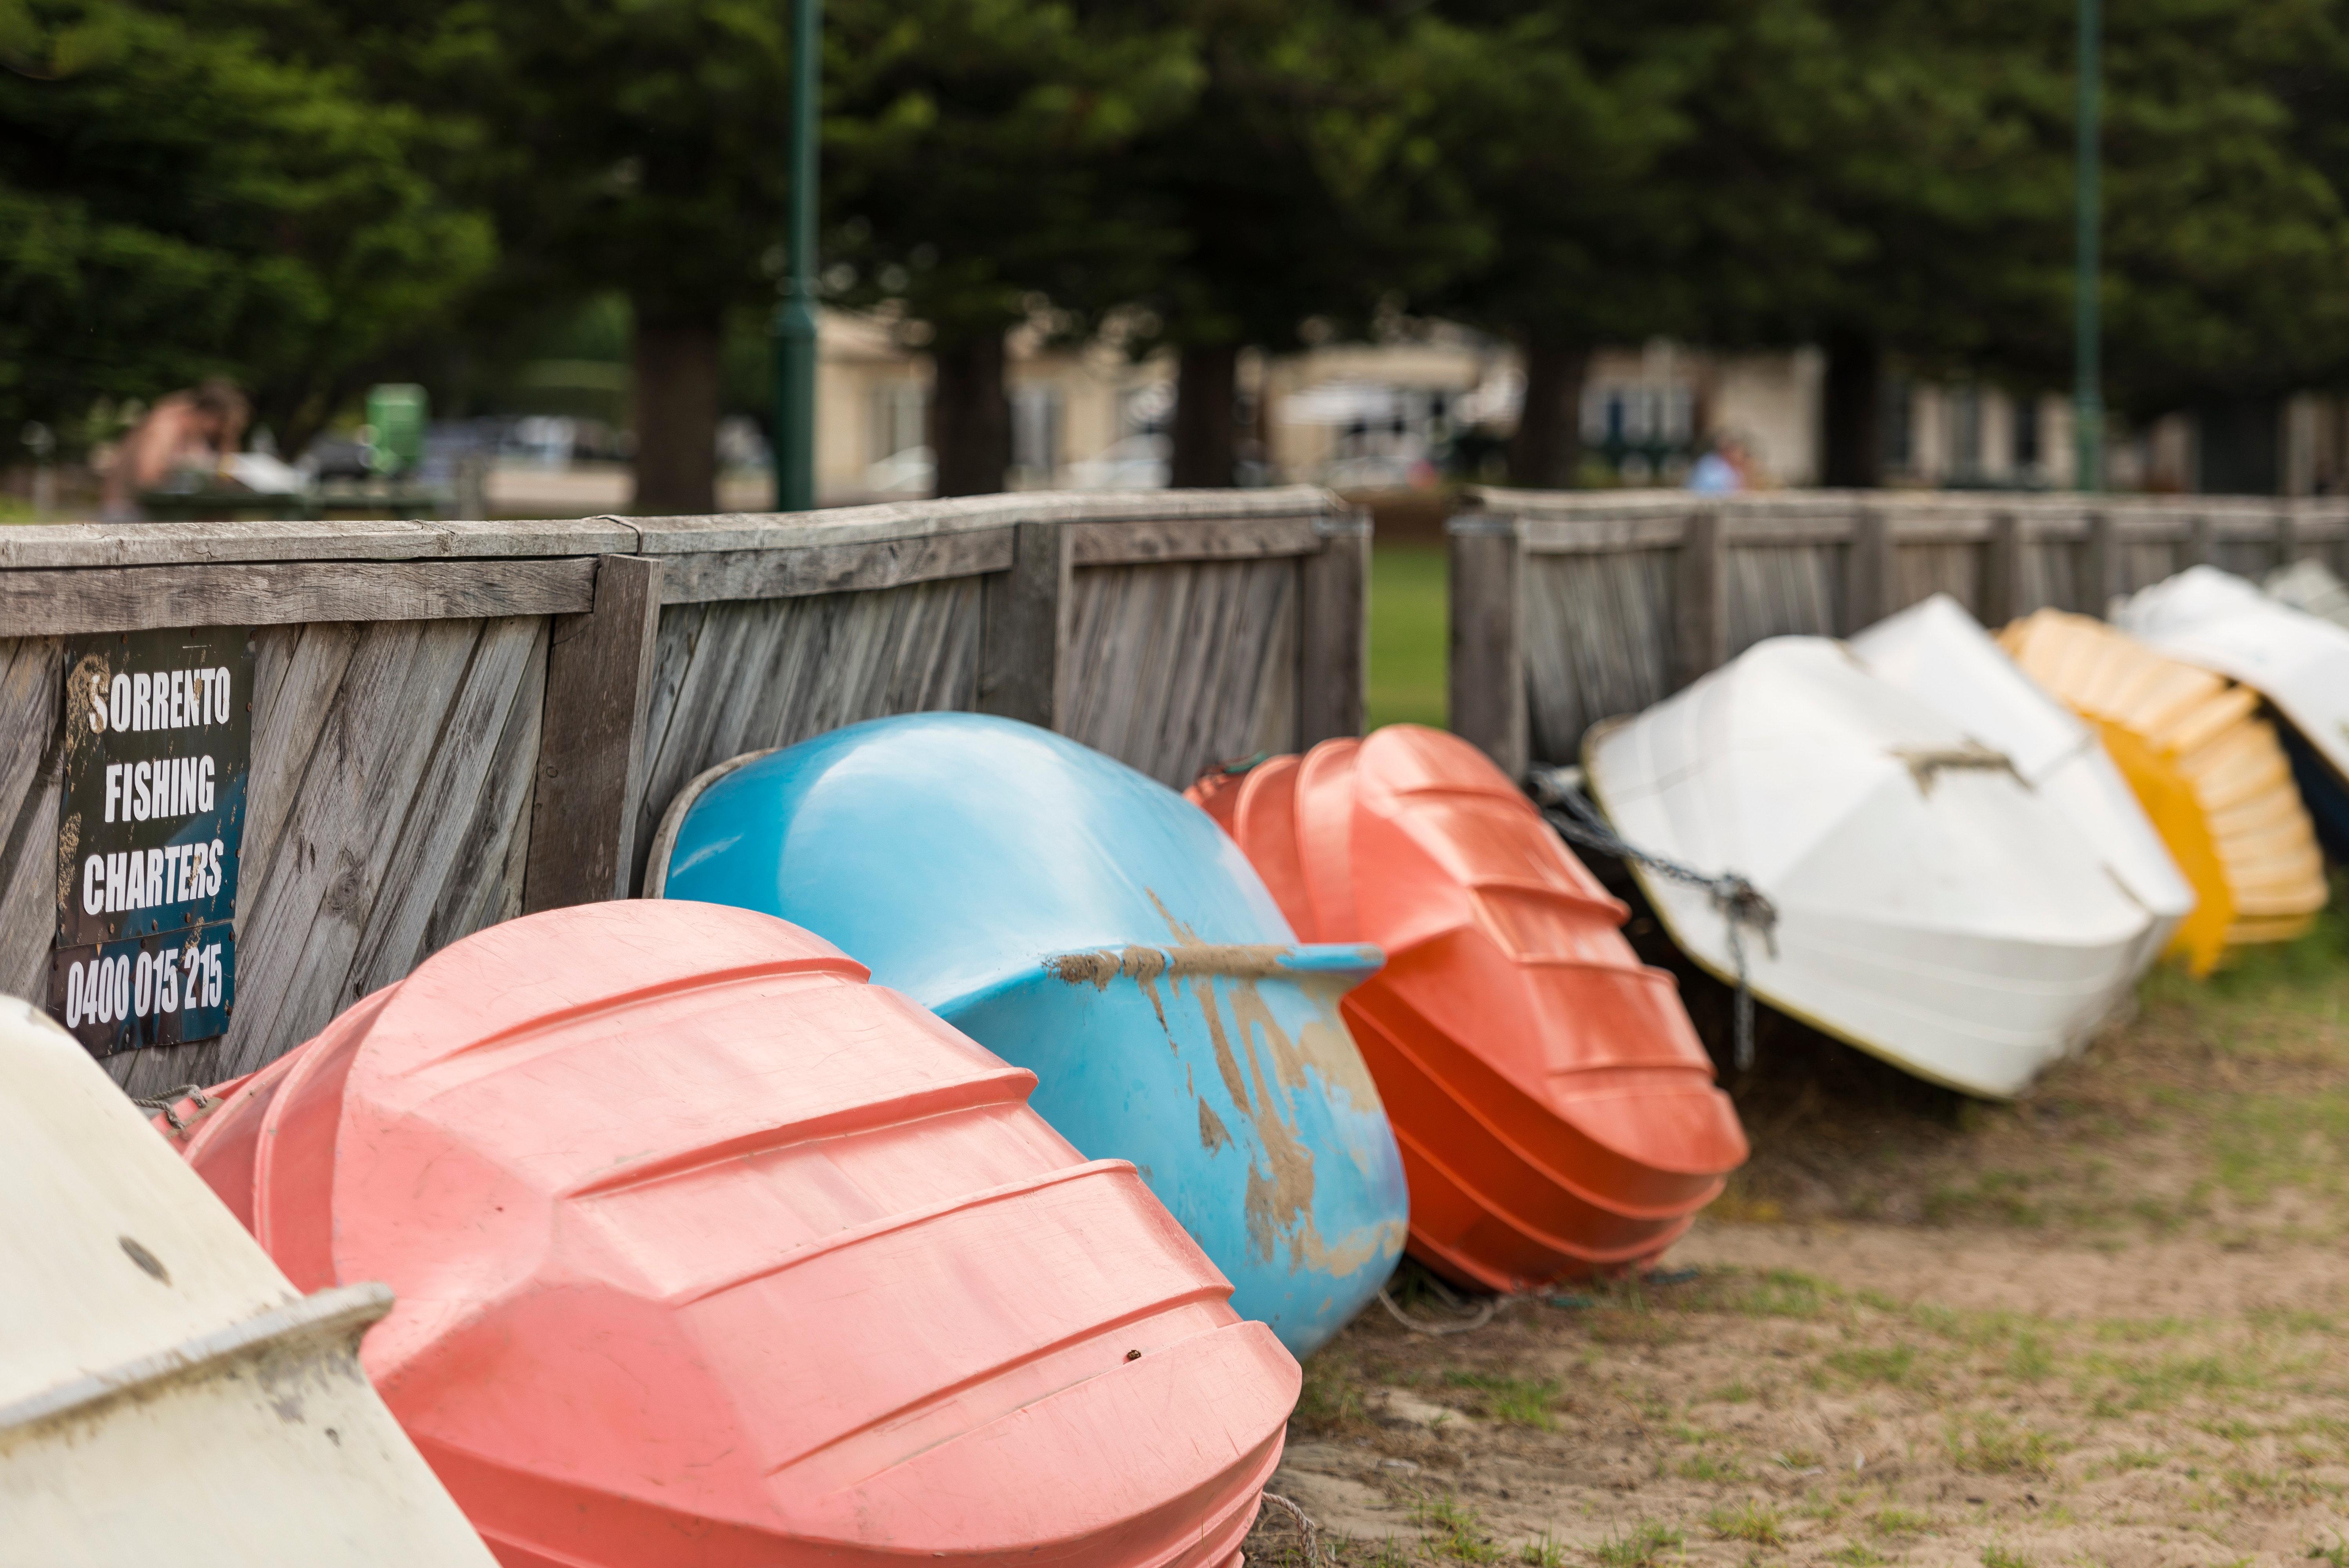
x=1739 y=903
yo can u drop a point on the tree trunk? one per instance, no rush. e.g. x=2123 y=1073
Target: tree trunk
x=1547 y=446
x=970 y=416
x=1853 y=415
x=1206 y=445
x=676 y=399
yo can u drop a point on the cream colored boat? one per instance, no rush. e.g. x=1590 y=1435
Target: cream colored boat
x=165 y=1394
x=2208 y=771
x=1931 y=908
x=1937 y=652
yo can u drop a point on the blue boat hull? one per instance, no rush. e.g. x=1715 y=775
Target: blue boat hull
x=1091 y=926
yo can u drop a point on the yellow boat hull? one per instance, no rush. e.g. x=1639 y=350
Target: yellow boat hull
x=2207 y=770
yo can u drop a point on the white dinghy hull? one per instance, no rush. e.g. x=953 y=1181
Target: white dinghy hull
x=2298 y=661
x=165 y=1394
x=2311 y=587
x=1938 y=653
x=1931 y=909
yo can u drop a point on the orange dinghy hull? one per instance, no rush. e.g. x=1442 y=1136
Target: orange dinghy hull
x=1557 y=1114
x=710 y=1252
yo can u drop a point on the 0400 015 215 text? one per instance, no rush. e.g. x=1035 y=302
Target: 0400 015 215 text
x=157 y=734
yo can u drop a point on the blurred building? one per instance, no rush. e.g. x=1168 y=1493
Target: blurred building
x=1436 y=402
x=1355 y=415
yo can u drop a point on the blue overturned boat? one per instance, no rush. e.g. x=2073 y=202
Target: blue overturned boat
x=1089 y=924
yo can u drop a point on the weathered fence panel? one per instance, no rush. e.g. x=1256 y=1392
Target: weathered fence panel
x=1189 y=664
x=749 y=674
x=1595 y=604
x=456 y=722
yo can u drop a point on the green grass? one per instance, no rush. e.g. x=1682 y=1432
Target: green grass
x=2270 y=993
x=1858 y=1554
x=1459 y=1534
x=2261 y=1142
x=1330 y=1397
x=2000 y=1557
x=2031 y=1360
x=1409 y=621
x=1543 y=1554
x=1996 y=1446
x=1643 y=1548
x=1994 y=1194
x=1869 y=1364
x=1900 y=1521
x=1518 y=1401
x=1771 y=1292
x=1751 y=1521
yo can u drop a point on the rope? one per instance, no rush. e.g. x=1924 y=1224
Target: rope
x=1739 y=901
x=167 y=1099
x=1311 y=1532
x=1485 y=1312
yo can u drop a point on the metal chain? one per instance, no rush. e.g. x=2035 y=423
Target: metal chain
x=1739 y=901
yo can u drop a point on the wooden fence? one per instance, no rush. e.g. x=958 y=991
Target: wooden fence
x=1569 y=608
x=457 y=722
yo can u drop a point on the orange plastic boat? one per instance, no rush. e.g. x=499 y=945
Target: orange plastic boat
x=1557 y=1114
x=708 y=1252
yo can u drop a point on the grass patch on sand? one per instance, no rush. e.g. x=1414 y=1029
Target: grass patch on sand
x=1518 y=1401
x=1750 y=1522
x=1646 y=1545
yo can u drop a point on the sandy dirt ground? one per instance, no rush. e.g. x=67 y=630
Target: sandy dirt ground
x=2109 y=1326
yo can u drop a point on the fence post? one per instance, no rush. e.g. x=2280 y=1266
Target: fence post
x=1333 y=631
x=1026 y=616
x=591 y=743
x=1486 y=674
x=1867 y=571
x=2003 y=579
x=2101 y=582
x=2201 y=540
x=1701 y=613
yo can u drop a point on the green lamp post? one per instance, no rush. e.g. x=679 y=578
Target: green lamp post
x=795 y=318
x=2087 y=344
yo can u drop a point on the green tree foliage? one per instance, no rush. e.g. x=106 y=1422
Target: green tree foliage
x=291 y=191
x=2227 y=241
x=2224 y=241
x=978 y=167
x=628 y=148
x=1306 y=189
x=1639 y=173
x=174 y=202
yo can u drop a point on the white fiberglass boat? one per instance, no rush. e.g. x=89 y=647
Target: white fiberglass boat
x=1930 y=908
x=2297 y=660
x=1937 y=652
x=2311 y=586
x=165 y=1394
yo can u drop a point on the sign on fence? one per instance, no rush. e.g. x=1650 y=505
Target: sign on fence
x=157 y=743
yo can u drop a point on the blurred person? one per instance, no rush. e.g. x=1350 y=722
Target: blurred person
x=196 y=428
x=1725 y=468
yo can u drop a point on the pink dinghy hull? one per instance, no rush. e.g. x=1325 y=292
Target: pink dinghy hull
x=710 y=1252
